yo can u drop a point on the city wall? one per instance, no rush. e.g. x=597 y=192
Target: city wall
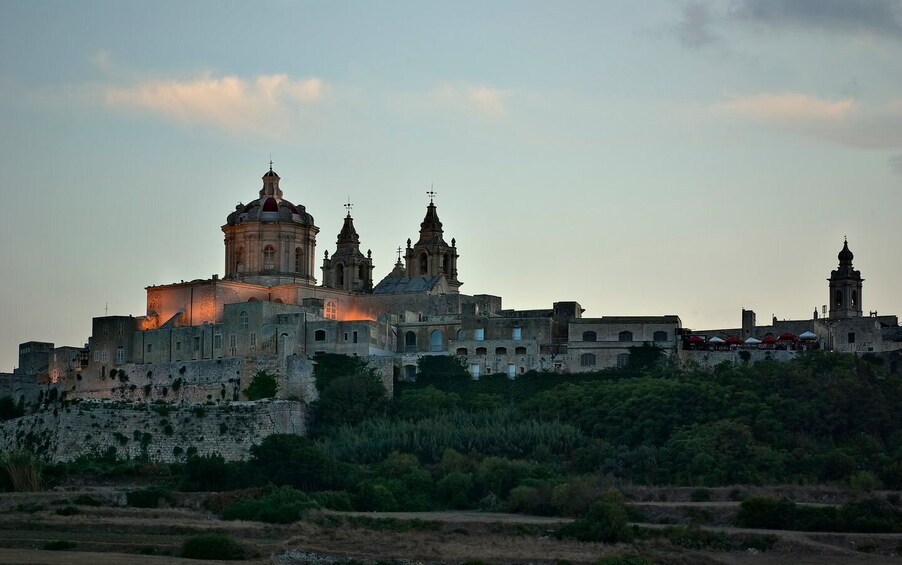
x=157 y=432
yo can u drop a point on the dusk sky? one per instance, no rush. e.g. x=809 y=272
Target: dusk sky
x=655 y=157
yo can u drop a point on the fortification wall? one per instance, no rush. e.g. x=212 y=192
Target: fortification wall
x=158 y=432
x=193 y=381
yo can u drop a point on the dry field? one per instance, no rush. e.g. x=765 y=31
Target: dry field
x=112 y=533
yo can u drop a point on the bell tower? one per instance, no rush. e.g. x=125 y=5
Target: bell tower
x=431 y=255
x=348 y=269
x=845 y=287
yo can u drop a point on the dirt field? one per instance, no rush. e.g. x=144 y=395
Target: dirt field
x=115 y=534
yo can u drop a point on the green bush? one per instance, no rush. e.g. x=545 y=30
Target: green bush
x=289 y=459
x=692 y=537
x=766 y=512
x=606 y=521
x=147 y=498
x=211 y=473
x=276 y=505
x=333 y=500
x=263 y=385
x=212 y=546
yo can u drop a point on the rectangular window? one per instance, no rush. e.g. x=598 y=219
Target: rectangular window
x=233 y=344
x=346 y=336
x=217 y=341
x=851 y=337
x=479 y=334
x=97 y=356
x=354 y=336
x=149 y=347
x=178 y=346
x=120 y=355
x=103 y=356
x=252 y=341
x=517 y=334
x=197 y=343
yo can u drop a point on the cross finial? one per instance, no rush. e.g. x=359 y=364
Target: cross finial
x=270 y=162
x=399 y=254
x=431 y=193
x=348 y=206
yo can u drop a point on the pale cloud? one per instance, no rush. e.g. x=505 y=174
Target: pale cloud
x=268 y=104
x=790 y=106
x=843 y=121
x=483 y=101
x=103 y=61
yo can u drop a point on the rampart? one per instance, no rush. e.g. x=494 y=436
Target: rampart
x=160 y=432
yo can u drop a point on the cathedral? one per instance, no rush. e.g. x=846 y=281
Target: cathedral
x=275 y=308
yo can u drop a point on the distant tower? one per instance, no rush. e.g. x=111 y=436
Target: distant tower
x=348 y=269
x=431 y=255
x=270 y=241
x=845 y=287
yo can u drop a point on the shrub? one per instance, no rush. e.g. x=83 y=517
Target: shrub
x=86 y=500
x=288 y=459
x=692 y=537
x=24 y=470
x=766 y=512
x=276 y=505
x=606 y=521
x=147 y=498
x=333 y=500
x=212 y=546
x=212 y=473
x=263 y=385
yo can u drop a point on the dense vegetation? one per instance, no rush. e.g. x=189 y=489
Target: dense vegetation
x=554 y=444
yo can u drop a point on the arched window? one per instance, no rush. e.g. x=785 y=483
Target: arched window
x=625 y=336
x=462 y=351
x=299 y=260
x=269 y=257
x=854 y=298
x=500 y=351
x=446 y=264
x=424 y=264
x=590 y=336
x=460 y=335
x=361 y=272
x=480 y=351
x=435 y=340
x=319 y=335
x=239 y=260
x=623 y=360
x=587 y=360
x=660 y=336
x=242 y=320
x=839 y=299
x=339 y=275
x=520 y=351
x=410 y=341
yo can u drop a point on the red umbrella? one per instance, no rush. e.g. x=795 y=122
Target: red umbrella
x=696 y=339
x=788 y=336
x=769 y=339
x=733 y=340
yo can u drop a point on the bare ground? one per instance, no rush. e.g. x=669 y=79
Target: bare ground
x=116 y=534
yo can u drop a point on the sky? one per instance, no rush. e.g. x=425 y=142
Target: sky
x=642 y=158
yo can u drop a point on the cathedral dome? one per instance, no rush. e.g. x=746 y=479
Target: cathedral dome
x=270 y=206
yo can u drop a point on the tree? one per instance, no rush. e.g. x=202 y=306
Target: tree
x=262 y=386
x=289 y=459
